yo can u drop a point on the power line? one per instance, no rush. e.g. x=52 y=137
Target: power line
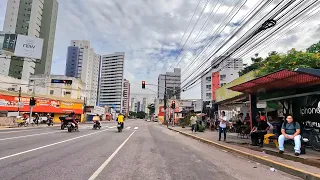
x=217 y=31
x=187 y=30
x=303 y=9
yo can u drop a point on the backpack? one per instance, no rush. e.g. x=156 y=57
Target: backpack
x=285 y=125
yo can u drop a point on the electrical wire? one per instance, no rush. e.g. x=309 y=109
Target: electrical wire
x=187 y=30
x=290 y=20
x=251 y=37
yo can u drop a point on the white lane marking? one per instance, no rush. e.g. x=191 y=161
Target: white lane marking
x=27 y=136
x=20 y=130
x=100 y=169
x=49 y=145
x=136 y=128
x=112 y=127
x=128 y=127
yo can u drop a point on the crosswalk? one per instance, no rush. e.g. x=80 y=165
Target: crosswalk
x=108 y=127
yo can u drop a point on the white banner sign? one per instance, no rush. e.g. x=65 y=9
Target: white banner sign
x=30 y=47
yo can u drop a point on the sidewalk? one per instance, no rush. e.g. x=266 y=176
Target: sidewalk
x=306 y=166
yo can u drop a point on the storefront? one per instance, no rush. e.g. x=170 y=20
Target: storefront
x=233 y=102
x=43 y=105
x=285 y=92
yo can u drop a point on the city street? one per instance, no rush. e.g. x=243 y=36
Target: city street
x=144 y=150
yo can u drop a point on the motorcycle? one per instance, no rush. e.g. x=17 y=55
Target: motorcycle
x=63 y=122
x=96 y=125
x=50 y=122
x=119 y=127
x=71 y=127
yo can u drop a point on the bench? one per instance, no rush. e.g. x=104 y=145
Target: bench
x=274 y=138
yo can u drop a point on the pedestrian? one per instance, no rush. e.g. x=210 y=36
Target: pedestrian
x=223 y=126
x=290 y=130
x=193 y=120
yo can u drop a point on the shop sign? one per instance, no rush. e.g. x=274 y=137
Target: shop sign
x=309 y=110
x=11 y=103
x=223 y=93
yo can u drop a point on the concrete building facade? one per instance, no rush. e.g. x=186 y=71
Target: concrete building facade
x=57 y=85
x=126 y=96
x=34 y=18
x=111 y=80
x=226 y=72
x=82 y=62
x=171 y=81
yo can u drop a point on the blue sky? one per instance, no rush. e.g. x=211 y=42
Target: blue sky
x=150 y=33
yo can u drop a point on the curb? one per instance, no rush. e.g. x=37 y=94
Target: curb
x=282 y=167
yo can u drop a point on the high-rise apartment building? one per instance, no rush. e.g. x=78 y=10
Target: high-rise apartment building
x=111 y=80
x=34 y=18
x=132 y=106
x=144 y=105
x=83 y=63
x=171 y=82
x=225 y=72
x=126 y=96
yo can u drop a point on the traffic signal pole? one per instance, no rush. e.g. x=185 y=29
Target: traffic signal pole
x=19 y=101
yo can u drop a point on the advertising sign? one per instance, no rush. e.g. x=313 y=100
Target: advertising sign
x=223 y=93
x=8 y=43
x=307 y=110
x=27 y=46
x=10 y=103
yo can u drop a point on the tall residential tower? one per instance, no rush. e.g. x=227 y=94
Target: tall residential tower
x=171 y=81
x=34 y=18
x=83 y=63
x=111 y=81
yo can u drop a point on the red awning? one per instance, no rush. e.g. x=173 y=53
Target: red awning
x=279 y=80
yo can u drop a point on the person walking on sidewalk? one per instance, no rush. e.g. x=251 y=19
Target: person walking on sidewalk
x=223 y=126
x=290 y=131
x=193 y=120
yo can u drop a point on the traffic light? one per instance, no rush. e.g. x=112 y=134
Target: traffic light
x=143 y=84
x=32 y=102
x=173 y=105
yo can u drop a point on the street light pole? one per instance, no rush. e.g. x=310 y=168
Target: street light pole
x=19 y=101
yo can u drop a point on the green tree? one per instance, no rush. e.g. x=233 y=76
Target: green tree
x=314 y=48
x=291 y=60
x=132 y=114
x=151 y=108
x=256 y=63
x=141 y=115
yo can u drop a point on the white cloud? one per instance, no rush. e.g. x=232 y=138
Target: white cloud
x=149 y=33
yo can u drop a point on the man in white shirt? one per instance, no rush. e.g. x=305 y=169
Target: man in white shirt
x=193 y=120
x=223 y=125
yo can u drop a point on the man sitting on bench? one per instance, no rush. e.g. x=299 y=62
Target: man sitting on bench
x=290 y=131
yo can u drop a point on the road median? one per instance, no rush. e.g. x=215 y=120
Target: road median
x=266 y=161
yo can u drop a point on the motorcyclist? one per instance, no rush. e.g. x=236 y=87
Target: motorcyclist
x=96 y=119
x=73 y=116
x=120 y=120
x=36 y=120
x=49 y=118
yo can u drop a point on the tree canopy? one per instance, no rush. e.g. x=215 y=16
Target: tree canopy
x=291 y=60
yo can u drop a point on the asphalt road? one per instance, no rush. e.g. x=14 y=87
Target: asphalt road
x=146 y=151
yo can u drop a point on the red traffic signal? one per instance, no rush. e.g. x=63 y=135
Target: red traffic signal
x=173 y=105
x=143 y=84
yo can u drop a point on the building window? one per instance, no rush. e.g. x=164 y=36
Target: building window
x=51 y=92
x=67 y=92
x=222 y=84
x=223 y=76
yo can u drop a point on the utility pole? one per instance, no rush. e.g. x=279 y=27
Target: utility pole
x=19 y=101
x=165 y=98
x=33 y=93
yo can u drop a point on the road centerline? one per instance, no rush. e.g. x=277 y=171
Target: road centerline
x=100 y=169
